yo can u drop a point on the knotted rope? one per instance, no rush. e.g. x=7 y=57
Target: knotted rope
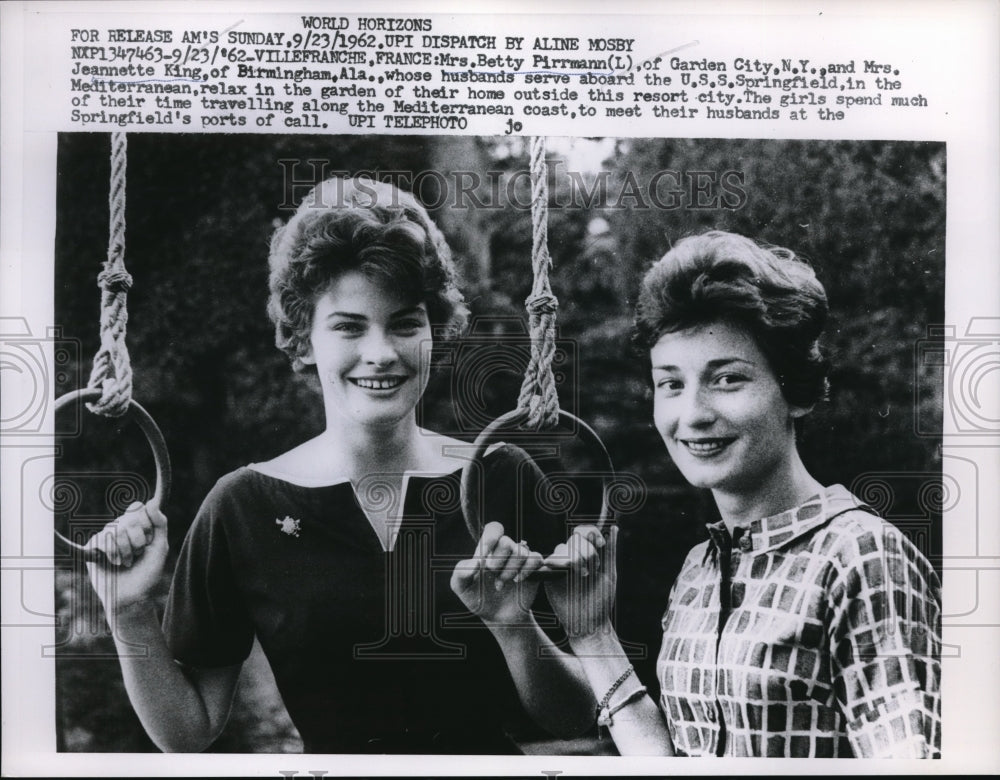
x=112 y=371
x=538 y=395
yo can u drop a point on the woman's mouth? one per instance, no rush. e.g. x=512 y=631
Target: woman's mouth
x=704 y=448
x=378 y=383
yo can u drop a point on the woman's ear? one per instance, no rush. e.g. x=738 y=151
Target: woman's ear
x=307 y=358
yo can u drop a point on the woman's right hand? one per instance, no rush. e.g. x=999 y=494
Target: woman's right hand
x=582 y=593
x=135 y=553
x=496 y=583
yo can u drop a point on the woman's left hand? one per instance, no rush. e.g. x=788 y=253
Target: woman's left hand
x=495 y=582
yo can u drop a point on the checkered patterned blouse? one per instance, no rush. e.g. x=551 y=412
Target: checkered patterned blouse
x=815 y=632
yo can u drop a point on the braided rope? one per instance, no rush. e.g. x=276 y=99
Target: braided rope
x=538 y=391
x=112 y=371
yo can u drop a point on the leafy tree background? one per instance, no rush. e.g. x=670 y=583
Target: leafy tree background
x=870 y=216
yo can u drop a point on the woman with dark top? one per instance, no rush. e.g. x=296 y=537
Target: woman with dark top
x=805 y=625
x=389 y=630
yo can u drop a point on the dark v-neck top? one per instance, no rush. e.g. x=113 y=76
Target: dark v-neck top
x=371 y=649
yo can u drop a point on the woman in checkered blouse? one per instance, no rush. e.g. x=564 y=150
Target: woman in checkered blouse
x=805 y=625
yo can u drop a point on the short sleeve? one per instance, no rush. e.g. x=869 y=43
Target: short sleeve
x=205 y=622
x=885 y=644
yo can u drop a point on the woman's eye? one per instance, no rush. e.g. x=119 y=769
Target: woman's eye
x=409 y=326
x=669 y=385
x=727 y=381
x=349 y=328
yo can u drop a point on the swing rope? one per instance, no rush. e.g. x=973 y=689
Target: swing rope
x=538 y=397
x=538 y=404
x=110 y=384
x=112 y=370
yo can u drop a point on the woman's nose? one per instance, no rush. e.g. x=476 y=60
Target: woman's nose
x=696 y=409
x=377 y=348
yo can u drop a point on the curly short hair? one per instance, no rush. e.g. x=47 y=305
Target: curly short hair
x=767 y=290
x=347 y=224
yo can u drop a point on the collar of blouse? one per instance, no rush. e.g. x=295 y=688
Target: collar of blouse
x=769 y=533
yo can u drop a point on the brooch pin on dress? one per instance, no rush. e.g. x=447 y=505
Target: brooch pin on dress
x=289 y=526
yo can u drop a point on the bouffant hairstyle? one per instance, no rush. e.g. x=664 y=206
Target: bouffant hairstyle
x=347 y=224
x=767 y=290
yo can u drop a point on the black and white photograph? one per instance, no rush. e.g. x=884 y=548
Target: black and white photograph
x=711 y=362
x=398 y=451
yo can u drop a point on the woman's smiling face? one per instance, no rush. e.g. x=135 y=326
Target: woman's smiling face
x=720 y=410
x=371 y=348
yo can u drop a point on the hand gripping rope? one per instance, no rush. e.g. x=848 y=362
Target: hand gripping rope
x=109 y=391
x=538 y=403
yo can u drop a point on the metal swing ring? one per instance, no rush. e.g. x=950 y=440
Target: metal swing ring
x=509 y=422
x=158 y=445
